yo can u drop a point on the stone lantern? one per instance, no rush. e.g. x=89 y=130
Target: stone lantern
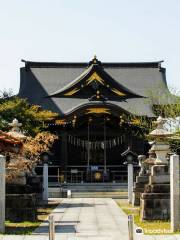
x=130 y=157
x=160 y=147
x=155 y=200
x=15 y=131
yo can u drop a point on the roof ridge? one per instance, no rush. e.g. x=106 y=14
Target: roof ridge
x=85 y=64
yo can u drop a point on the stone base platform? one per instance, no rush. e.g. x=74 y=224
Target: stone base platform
x=155 y=206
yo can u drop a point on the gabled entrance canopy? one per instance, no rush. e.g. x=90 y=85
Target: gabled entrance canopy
x=98 y=109
x=95 y=84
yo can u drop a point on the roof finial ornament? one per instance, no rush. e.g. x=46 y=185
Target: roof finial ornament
x=95 y=59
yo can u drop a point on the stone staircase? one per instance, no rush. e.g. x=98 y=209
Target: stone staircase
x=93 y=190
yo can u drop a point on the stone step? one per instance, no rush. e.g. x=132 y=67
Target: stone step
x=110 y=190
x=94 y=187
x=97 y=190
x=117 y=195
x=56 y=184
x=98 y=186
x=55 y=193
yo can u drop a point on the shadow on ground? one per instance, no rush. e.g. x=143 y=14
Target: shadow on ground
x=68 y=228
x=20 y=230
x=78 y=205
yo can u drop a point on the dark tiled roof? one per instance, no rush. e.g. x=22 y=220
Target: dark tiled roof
x=30 y=64
x=41 y=79
x=81 y=84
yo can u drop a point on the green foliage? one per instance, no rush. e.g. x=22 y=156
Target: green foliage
x=140 y=125
x=32 y=117
x=169 y=110
x=149 y=227
x=174 y=142
x=167 y=105
x=172 y=113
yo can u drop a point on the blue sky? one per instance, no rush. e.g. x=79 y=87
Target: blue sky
x=75 y=30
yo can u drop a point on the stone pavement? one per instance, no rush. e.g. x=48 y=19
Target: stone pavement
x=88 y=218
x=93 y=219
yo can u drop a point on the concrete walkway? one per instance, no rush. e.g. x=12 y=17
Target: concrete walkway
x=93 y=219
x=88 y=218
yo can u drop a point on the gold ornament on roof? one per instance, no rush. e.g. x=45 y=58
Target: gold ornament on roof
x=74 y=122
x=135 y=121
x=98 y=110
x=119 y=93
x=73 y=91
x=60 y=122
x=95 y=77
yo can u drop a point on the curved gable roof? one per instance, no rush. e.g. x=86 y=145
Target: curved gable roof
x=95 y=79
x=41 y=79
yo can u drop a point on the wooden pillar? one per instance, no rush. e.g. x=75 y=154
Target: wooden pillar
x=88 y=149
x=64 y=153
x=130 y=140
x=105 y=150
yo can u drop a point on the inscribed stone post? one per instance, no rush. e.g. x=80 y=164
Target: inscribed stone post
x=45 y=182
x=130 y=182
x=2 y=194
x=174 y=190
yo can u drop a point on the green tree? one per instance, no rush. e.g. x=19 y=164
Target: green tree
x=169 y=111
x=32 y=117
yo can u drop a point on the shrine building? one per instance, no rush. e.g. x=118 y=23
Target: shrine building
x=99 y=106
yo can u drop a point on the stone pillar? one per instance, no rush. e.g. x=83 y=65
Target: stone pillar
x=174 y=192
x=2 y=193
x=45 y=182
x=64 y=154
x=130 y=182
